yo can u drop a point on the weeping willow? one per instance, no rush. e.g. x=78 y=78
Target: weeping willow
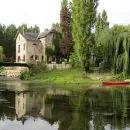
x=105 y=45
x=108 y=50
x=121 y=59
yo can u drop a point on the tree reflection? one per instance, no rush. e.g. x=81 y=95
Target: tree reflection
x=93 y=109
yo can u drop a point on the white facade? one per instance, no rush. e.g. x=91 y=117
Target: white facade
x=28 y=51
x=21 y=49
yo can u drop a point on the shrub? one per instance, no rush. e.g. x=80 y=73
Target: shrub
x=35 y=68
x=74 y=60
x=26 y=75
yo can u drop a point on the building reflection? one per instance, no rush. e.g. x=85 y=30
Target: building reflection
x=20 y=104
x=94 y=109
x=35 y=103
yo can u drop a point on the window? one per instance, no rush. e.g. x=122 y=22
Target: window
x=19 y=58
x=23 y=57
x=32 y=57
x=18 y=48
x=36 y=57
x=42 y=58
x=24 y=47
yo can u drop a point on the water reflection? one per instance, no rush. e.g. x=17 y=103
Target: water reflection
x=57 y=109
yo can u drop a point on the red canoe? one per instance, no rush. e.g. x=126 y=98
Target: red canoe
x=116 y=83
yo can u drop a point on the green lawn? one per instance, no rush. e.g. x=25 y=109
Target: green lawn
x=63 y=77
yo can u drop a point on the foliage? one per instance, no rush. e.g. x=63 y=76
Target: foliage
x=65 y=23
x=54 y=51
x=113 y=46
x=62 y=76
x=49 y=51
x=1 y=53
x=26 y=75
x=34 y=29
x=105 y=47
x=57 y=27
x=56 y=44
x=84 y=16
x=2 y=34
x=7 y=38
x=103 y=39
x=119 y=76
x=9 y=44
x=22 y=28
x=121 y=61
x=74 y=60
x=25 y=28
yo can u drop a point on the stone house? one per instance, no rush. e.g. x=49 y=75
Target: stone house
x=30 y=47
x=46 y=39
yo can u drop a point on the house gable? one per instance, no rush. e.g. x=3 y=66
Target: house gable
x=20 y=48
x=20 y=38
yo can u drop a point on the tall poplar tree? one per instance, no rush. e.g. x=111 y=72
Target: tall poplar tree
x=65 y=24
x=103 y=38
x=84 y=16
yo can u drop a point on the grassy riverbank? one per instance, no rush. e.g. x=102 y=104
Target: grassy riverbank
x=76 y=76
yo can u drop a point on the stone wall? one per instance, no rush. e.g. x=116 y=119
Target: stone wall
x=58 y=66
x=34 y=49
x=12 y=72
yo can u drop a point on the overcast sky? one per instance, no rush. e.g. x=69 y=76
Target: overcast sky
x=45 y=12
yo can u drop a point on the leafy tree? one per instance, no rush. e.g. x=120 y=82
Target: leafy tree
x=55 y=50
x=2 y=34
x=103 y=38
x=105 y=23
x=122 y=55
x=22 y=28
x=1 y=53
x=65 y=23
x=56 y=43
x=57 y=27
x=2 y=37
x=9 y=44
x=84 y=16
x=34 y=29
x=7 y=38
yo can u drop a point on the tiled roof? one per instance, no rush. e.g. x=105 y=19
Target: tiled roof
x=44 y=34
x=31 y=36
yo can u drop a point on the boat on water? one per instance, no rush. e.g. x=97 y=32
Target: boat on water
x=115 y=83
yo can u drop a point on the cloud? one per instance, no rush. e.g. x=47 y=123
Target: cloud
x=45 y=12
x=118 y=10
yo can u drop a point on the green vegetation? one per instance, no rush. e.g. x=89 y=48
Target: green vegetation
x=7 y=39
x=84 y=16
x=82 y=38
x=1 y=53
x=65 y=23
x=106 y=48
x=60 y=76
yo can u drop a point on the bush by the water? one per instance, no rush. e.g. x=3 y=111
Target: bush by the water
x=26 y=75
x=36 y=68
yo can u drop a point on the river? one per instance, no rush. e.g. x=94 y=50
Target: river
x=34 y=106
